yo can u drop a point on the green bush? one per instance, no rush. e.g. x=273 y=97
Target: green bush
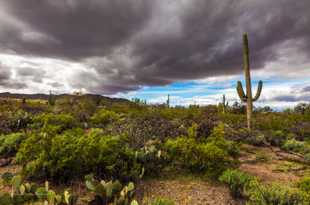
x=217 y=138
x=275 y=194
x=195 y=156
x=161 y=201
x=277 y=137
x=296 y=146
x=74 y=154
x=307 y=158
x=103 y=117
x=304 y=186
x=255 y=193
x=239 y=182
x=56 y=123
x=9 y=144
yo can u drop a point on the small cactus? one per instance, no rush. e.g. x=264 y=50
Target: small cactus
x=247 y=98
x=110 y=192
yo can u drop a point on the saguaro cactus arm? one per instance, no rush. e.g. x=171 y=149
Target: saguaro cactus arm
x=259 y=90
x=241 y=93
x=247 y=98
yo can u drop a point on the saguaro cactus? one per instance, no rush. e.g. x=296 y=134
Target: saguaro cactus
x=247 y=98
x=224 y=103
x=51 y=99
x=168 y=101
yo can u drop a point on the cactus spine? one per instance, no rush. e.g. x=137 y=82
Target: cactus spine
x=247 y=98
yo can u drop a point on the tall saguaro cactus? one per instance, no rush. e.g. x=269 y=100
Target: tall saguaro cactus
x=247 y=98
x=224 y=103
x=168 y=101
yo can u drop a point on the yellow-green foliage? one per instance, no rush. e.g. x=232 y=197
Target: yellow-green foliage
x=103 y=117
x=212 y=155
x=304 y=185
x=239 y=182
x=162 y=201
x=296 y=146
x=9 y=144
x=208 y=156
x=248 y=187
x=73 y=154
x=49 y=122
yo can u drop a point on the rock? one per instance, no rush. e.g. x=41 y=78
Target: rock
x=4 y=162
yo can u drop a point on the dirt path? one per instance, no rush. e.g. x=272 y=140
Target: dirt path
x=264 y=163
x=185 y=192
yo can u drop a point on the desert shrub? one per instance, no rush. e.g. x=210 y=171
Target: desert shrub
x=256 y=138
x=162 y=201
x=307 y=158
x=239 y=182
x=235 y=121
x=74 y=154
x=304 y=186
x=192 y=130
x=276 y=137
x=103 y=117
x=302 y=130
x=190 y=154
x=13 y=121
x=255 y=193
x=9 y=144
x=54 y=122
x=218 y=138
x=148 y=126
x=296 y=146
x=236 y=134
x=275 y=194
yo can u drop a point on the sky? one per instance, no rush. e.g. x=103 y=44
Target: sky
x=190 y=49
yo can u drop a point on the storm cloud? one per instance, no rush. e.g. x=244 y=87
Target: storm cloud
x=124 y=45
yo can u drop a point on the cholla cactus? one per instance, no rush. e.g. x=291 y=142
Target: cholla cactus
x=247 y=98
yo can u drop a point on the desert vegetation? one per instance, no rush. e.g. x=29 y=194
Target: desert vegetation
x=90 y=149
x=108 y=148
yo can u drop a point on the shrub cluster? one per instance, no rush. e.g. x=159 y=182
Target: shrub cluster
x=245 y=186
x=212 y=155
x=9 y=144
x=74 y=153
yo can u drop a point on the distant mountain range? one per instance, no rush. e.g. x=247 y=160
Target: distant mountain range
x=41 y=96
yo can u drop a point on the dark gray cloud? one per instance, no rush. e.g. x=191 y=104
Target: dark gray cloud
x=292 y=98
x=71 y=29
x=6 y=78
x=34 y=74
x=5 y=74
x=295 y=95
x=306 y=89
x=127 y=44
x=56 y=84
